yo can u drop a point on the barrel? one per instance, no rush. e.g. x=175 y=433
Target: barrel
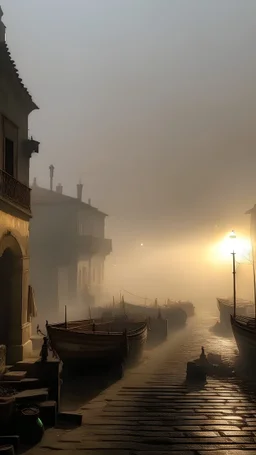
x=30 y=426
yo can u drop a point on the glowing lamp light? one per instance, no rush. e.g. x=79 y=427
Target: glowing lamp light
x=232 y=244
x=232 y=238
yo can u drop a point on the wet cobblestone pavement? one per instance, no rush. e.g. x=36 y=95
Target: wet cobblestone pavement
x=151 y=410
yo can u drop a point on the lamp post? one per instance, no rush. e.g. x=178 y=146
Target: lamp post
x=232 y=237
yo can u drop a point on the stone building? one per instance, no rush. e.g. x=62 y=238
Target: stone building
x=15 y=151
x=68 y=249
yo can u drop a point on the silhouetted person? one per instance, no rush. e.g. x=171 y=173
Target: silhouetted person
x=203 y=359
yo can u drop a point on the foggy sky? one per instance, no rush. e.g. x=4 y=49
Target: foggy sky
x=151 y=103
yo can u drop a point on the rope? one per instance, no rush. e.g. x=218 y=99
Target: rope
x=144 y=298
x=138 y=296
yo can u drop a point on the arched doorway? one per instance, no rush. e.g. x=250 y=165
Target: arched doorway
x=11 y=293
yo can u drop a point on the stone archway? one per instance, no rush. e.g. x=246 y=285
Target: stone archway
x=11 y=275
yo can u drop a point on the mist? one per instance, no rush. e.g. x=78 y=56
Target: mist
x=151 y=104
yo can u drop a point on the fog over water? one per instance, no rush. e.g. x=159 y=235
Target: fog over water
x=152 y=104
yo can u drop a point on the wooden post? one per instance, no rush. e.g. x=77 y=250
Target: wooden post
x=66 y=320
x=234 y=280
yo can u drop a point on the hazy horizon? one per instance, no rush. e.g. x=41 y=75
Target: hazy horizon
x=151 y=103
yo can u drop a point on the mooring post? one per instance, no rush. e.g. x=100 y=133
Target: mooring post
x=66 y=320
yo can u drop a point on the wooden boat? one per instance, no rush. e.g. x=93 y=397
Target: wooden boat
x=187 y=306
x=100 y=344
x=226 y=309
x=157 y=325
x=175 y=316
x=244 y=330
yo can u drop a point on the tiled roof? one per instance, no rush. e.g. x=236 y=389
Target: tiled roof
x=44 y=196
x=6 y=59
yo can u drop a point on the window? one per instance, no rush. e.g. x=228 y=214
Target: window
x=80 y=278
x=9 y=156
x=85 y=275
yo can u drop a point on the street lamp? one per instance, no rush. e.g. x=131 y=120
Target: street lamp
x=232 y=237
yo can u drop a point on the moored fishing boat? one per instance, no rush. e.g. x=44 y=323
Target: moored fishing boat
x=84 y=344
x=184 y=305
x=157 y=324
x=244 y=330
x=175 y=316
x=226 y=309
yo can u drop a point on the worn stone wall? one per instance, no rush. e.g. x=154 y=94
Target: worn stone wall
x=15 y=107
x=20 y=330
x=19 y=229
x=2 y=358
x=91 y=222
x=90 y=273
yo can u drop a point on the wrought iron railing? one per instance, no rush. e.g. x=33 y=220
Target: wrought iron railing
x=15 y=191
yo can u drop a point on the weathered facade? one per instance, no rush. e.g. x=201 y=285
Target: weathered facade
x=15 y=151
x=68 y=250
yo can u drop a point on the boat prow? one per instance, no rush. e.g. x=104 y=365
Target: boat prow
x=244 y=330
x=226 y=309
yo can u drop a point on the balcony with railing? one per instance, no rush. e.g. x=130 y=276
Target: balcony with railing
x=91 y=245
x=31 y=146
x=14 y=191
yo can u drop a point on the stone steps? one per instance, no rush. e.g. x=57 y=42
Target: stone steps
x=25 y=365
x=32 y=396
x=14 y=375
x=23 y=384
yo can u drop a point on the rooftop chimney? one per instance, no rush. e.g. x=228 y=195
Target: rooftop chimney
x=51 y=167
x=34 y=182
x=2 y=27
x=79 y=187
x=89 y=201
x=59 y=188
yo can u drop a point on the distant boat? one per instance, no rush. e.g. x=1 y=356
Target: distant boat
x=157 y=325
x=185 y=305
x=81 y=344
x=244 y=330
x=226 y=309
x=174 y=314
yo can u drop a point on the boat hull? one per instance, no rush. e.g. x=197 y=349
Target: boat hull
x=226 y=309
x=173 y=317
x=245 y=335
x=104 y=347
